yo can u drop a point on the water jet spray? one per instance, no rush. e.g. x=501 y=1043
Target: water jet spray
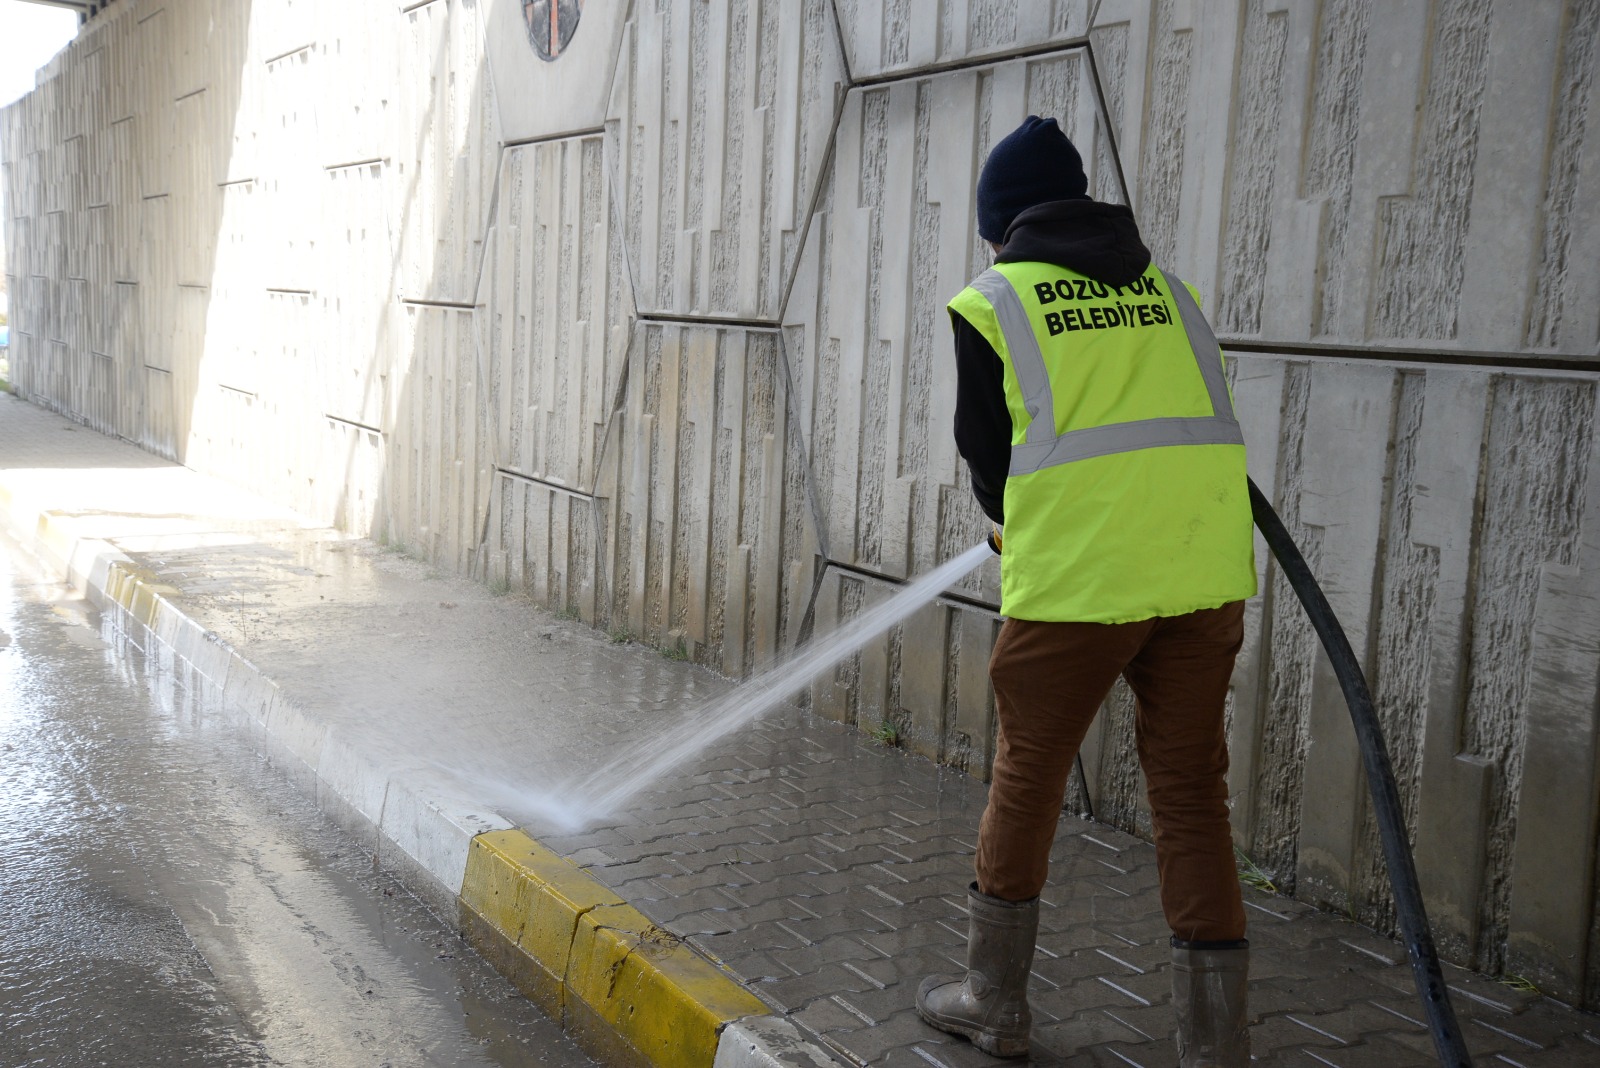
x=644 y=761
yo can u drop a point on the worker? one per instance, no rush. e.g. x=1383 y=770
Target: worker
x=1094 y=416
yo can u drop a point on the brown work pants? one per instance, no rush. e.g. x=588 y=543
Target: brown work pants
x=1049 y=680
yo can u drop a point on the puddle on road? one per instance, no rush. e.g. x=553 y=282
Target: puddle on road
x=166 y=897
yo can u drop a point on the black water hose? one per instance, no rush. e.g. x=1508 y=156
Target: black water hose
x=1447 y=1040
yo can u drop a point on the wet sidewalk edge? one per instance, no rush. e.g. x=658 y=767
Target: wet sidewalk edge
x=630 y=991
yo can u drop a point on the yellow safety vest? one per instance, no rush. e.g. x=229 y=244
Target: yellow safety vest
x=1126 y=497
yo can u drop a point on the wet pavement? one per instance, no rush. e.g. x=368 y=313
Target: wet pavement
x=168 y=898
x=823 y=870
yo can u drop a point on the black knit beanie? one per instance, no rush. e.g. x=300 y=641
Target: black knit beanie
x=1033 y=164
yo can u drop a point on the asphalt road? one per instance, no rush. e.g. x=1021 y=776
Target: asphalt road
x=169 y=898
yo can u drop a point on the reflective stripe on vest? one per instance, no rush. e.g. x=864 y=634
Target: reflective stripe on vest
x=1042 y=447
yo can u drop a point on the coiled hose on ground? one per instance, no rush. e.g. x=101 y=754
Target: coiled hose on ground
x=1447 y=1040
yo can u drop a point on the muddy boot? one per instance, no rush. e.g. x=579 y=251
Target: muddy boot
x=990 y=1004
x=1208 y=995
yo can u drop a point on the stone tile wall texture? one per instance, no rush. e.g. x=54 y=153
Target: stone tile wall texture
x=655 y=333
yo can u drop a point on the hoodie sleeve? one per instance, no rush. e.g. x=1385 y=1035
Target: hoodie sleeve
x=983 y=422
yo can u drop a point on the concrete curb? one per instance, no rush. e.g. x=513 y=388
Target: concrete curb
x=631 y=992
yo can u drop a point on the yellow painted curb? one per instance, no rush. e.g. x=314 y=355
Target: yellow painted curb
x=593 y=960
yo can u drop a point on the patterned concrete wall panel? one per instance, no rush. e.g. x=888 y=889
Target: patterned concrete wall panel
x=354 y=290
x=124 y=337
x=714 y=550
x=721 y=114
x=208 y=54
x=1285 y=702
x=246 y=326
x=924 y=685
x=1540 y=433
x=310 y=468
x=1473 y=640
x=255 y=362
x=551 y=543
x=436 y=485
x=1258 y=117
x=81 y=380
x=16 y=178
x=189 y=309
x=888 y=37
x=893 y=240
x=1551 y=931
x=358 y=96
x=551 y=79
x=229 y=428
x=54 y=294
x=194 y=193
x=1380 y=174
x=358 y=454
x=1348 y=415
x=359 y=193
x=159 y=326
x=445 y=155
x=1562 y=316
x=559 y=311
x=152 y=87
x=153 y=271
x=123 y=201
x=283 y=28
x=119 y=35
x=288 y=226
x=1535 y=477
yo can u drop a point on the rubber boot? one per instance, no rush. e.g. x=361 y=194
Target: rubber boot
x=1209 y=995
x=990 y=1004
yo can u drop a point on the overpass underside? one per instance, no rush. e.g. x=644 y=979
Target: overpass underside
x=642 y=314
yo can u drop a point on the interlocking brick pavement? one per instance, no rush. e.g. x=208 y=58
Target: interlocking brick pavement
x=867 y=896
x=820 y=868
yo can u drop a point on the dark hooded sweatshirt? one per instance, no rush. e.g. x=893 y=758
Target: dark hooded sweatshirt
x=1094 y=239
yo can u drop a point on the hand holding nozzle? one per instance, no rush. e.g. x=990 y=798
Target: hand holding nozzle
x=994 y=539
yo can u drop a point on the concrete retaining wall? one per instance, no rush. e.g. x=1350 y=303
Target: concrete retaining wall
x=654 y=331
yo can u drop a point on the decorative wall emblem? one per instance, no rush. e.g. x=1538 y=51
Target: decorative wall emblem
x=551 y=24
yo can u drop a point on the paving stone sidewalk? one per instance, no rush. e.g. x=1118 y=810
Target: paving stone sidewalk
x=827 y=872
x=822 y=869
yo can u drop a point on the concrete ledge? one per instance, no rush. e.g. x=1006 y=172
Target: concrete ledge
x=633 y=993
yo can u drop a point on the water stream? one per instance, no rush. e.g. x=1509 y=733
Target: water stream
x=647 y=759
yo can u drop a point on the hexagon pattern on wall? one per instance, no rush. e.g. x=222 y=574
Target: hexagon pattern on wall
x=541 y=98
x=893 y=239
x=1365 y=184
x=721 y=114
x=896 y=37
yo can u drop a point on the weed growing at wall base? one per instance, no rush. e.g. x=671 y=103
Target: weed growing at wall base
x=887 y=733
x=1251 y=875
x=1520 y=984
